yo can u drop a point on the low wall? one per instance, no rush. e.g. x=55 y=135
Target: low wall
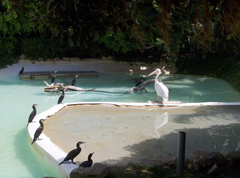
x=104 y=64
x=101 y=65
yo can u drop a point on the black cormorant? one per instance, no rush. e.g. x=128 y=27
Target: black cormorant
x=72 y=154
x=87 y=163
x=138 y=81
x=21 y=71
x=33 y=114
x=74 y=80
x=60 y=99
x=54 y=77
x=39 y=130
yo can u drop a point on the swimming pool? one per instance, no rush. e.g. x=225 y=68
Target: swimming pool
x=17 y=98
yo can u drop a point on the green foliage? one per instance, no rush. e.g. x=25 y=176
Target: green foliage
x=14 y=21
x=13 y=24
x=38 y=46
x=159 y=171
x=8 y=51
x=145 y=172
x=119 y=43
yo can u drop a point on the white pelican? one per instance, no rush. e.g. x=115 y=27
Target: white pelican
x=160 y=87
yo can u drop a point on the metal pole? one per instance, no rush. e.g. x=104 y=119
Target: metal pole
x=181 y=152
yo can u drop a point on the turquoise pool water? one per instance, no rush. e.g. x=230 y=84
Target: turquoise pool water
x=19 y=159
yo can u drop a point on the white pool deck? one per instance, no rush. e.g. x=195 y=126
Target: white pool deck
x=54 y=154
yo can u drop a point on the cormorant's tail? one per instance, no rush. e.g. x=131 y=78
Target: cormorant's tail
x=60 y=163
x=33 y=141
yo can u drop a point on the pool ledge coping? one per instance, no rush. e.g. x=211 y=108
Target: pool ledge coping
x=54 y=155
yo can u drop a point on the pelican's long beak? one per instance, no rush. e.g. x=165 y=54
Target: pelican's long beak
x=154 y=72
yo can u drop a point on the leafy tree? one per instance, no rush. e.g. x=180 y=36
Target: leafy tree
x=119 y=43
x=80 y=22
x=13 y=24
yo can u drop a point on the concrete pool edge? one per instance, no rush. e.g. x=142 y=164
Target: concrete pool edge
x=53 y=154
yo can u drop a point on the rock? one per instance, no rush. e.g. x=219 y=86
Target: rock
x=110 y=58
x=66 y=58
x=203 y=160
x=98 y=170
x=234 y=155
x=104 y=58
x=232 y=158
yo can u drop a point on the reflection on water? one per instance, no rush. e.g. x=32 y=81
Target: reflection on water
x=160 y=121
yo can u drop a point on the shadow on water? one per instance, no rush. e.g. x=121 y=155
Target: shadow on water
x=216 y=138
x=34 y=163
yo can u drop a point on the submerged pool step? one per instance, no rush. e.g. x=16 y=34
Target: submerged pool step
x=48 y=74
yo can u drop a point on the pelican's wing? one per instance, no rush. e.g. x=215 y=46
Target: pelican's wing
x=161 y=90
x=162 y=83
